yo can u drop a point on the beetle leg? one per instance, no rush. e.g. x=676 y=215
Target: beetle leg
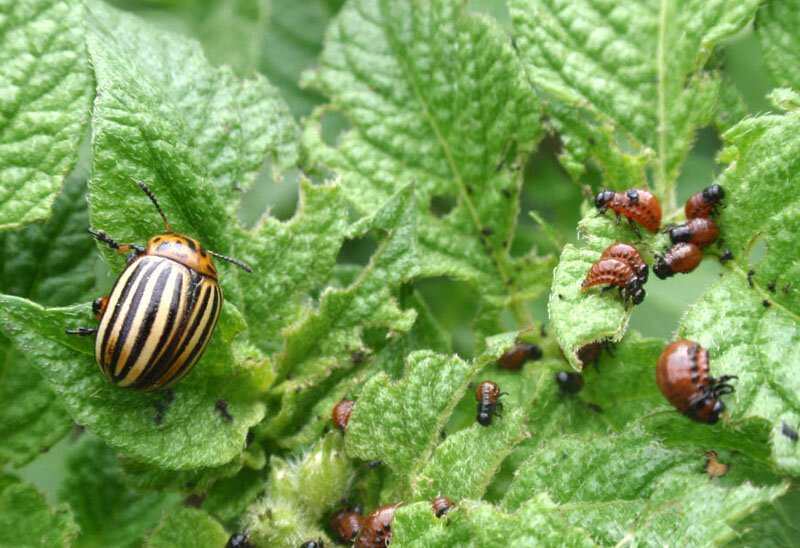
x=618 y=217
x=99 y=307
x=635 y=228
x=113 y=244
x=81 y=331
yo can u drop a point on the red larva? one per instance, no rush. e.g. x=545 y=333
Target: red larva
x=347 y=524
x=700 y=232
x=340 y=415
x=680 y=258
x=629 y=254
x=441 y=505
x=376 y=529
x=636 y=204
x=616 y=273
x=703 y=204
x=685 y=381
x=488 y=393
x=515 y=357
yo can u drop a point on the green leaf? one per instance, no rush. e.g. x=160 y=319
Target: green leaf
x=107 y=511
x=165 y=116
x=51 y=263
x=319 y=347
x=776 y=25
x=435 y=96
x=627 y=78
x=653 y=495
x=189 y=528
x=187 y=432
x=296 y=255
x=27 y=520
x=603 y=315
x=536 y=523
x=462 y=466
x=44 y=75
x=400 y=423
x=749 y=331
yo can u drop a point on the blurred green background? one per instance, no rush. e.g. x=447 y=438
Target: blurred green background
x=282 y=39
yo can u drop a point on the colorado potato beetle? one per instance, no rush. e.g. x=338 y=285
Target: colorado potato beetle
x=636 y=204
x=347 y=524
x=488 y=395
x=700 y=232
x=376 y=529
x=703 y=204
x=680 y=258
x=616 y=273
x=441 y=505
x=685 y=381
x=516 y=356
x=340 y=415
x=629 y=254
x=157 y=321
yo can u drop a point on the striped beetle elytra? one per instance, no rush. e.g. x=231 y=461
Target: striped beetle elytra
x=158 y=319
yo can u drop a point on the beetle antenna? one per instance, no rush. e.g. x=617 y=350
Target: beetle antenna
x=237 y=262
x=152 y=197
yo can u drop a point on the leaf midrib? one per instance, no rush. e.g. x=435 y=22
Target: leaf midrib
x=522 y=314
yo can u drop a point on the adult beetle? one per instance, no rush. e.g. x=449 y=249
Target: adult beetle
x=162 y=310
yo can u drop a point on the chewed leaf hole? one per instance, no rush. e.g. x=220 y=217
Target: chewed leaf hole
x=757 y=251
x=442 y=205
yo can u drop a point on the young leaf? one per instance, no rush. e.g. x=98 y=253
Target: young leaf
x=184 y=430
x=165 y=116
x=634 y=70
x=299 y=493
x=750 y=320
x=436 y=96
x=107 y=511
x=51 y=263
x=27 y=519
x=776 y=26
x=44 y=75
x=187 y=527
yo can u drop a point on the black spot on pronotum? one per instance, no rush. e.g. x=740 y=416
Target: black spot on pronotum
x=222 y=408
x=771 y=286
x=789 y=432
x=750 y=274
x=766 y=303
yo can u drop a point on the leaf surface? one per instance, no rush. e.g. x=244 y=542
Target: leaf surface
x=25 y=515
x=44 y=107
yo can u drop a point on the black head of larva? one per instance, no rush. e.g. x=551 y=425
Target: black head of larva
x=714 y=193
x=602 y=198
